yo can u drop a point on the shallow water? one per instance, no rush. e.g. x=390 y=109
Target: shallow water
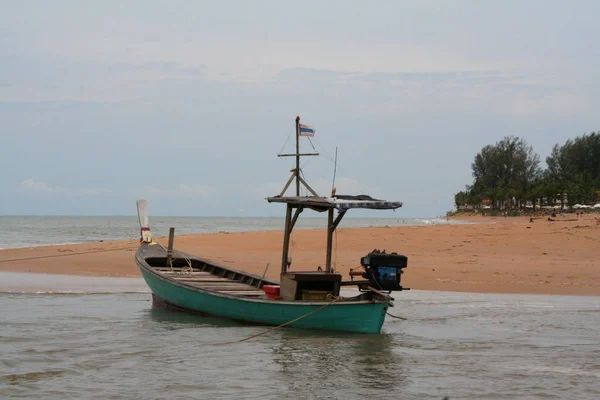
x=465 y=346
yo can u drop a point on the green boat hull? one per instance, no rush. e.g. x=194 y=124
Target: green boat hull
x=347 y=316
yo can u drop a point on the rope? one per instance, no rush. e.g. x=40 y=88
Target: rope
x=311 y=143
x=66 y=255
x=187 y=259
x=280 y=326
x=395 y=316
x=328 y=157
x=323 y=149
x=335 y=251
x=306 y=163
x=286 y=140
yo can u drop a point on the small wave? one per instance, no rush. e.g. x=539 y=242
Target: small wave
x=569 y=371
x=32 y=376
x=33 y=246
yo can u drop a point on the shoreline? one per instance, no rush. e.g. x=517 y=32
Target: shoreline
x=442 y=221
x=490 y=255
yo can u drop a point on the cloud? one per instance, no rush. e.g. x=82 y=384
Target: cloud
x=180 y=190
x=49 y=106
x=492 y=92
x=30 y=184
x=43 y=187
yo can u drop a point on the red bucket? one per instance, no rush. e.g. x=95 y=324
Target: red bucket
x=272 y=291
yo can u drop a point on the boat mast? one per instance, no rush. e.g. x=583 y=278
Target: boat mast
x=298 y=156
x=290 y=220
x=296 y=171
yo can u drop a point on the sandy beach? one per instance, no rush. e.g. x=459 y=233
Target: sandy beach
x=495 y=255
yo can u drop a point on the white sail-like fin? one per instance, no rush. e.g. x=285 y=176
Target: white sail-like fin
x=142 y=208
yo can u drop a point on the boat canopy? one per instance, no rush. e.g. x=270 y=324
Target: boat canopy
x=339 y=202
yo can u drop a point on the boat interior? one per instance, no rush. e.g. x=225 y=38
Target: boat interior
x=208 y=276
x=296 y=286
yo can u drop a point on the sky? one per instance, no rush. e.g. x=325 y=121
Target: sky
x=187 y=103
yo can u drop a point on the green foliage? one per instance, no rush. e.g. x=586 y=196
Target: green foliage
x=575 y=167
x=507 y=167
x=460 y=199
x=509 y=174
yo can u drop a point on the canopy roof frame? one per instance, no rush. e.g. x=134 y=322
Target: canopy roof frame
x=296 y=204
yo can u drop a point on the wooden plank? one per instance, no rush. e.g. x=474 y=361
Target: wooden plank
x=176 y=269
x=210 y=280
x=179 y=273
x=198 y=277
x=170 y=247
x=216 y=286
x=240 y=293
x=226 y=287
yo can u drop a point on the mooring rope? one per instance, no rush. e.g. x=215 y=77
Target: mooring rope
x=66 y=255
x=187 y=259
x=280 y=326
x=395 y=316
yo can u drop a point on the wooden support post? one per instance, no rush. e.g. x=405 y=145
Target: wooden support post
x=330 y=229
x=300 y=154
x=308 y=187
x=263 y=276
x=287 y=185
x=286 y=239
x=297 y=156
x=170 y=247
x=338 y=219
x=296 y=215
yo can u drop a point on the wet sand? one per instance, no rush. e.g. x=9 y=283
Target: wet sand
x=499 y=255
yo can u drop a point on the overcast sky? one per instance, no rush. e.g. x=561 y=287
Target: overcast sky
x=187 y=103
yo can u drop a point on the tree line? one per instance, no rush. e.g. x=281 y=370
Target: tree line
x=509 y=174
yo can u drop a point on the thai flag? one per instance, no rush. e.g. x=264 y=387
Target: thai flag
x=306 y=130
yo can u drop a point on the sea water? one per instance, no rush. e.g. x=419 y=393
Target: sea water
x=111 y=345
x=25 y=231
x=101 y=338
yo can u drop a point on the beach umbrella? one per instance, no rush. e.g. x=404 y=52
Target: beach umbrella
x=556 y=207
x=597 y=205
x=577 y=206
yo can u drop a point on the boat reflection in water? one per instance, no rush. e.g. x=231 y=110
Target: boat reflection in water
x=343 y=364
x=310 y=364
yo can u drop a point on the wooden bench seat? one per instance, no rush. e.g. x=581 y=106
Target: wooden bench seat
x=242 y=293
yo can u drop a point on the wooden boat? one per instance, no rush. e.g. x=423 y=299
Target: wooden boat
x=302 y=299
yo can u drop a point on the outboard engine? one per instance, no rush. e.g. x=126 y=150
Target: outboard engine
x=382 y=270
